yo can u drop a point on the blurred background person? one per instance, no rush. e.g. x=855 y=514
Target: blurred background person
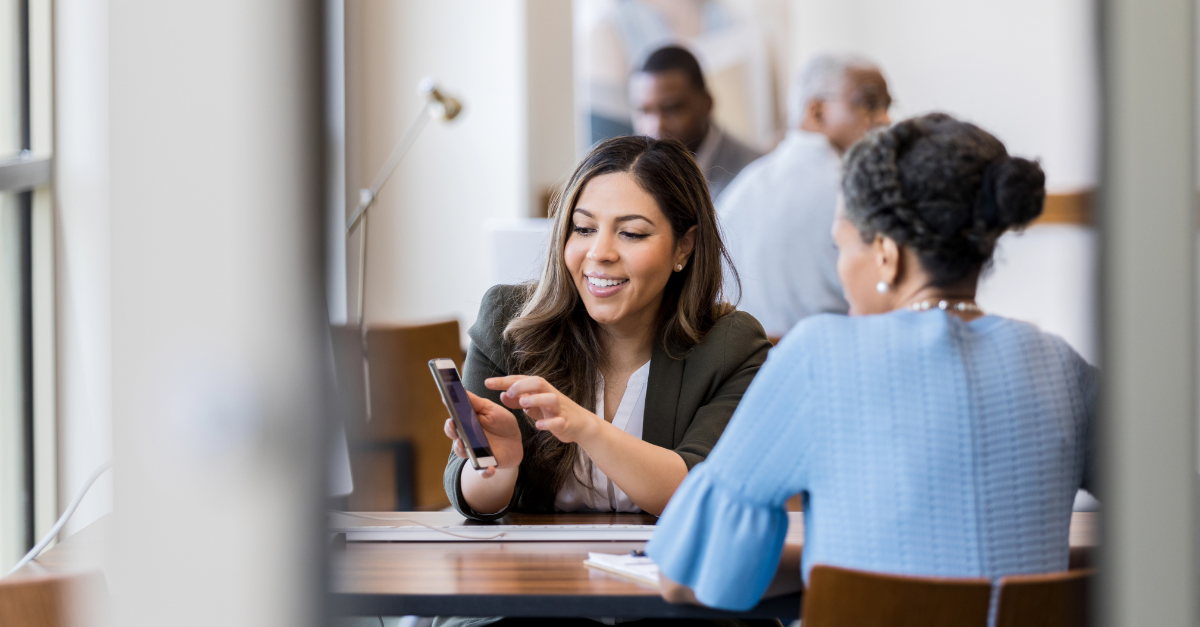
x=670 y=99
x=778 y=213
x=742 y=48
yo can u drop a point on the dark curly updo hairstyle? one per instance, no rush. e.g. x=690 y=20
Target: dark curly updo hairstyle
x=945 y=189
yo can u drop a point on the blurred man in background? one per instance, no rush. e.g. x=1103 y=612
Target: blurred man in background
x=670 y=99
x=777 y=215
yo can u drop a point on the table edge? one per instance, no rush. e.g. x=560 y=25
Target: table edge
x=785 y=608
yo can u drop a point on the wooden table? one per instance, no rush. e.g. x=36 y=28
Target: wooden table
x=483 y=578
x=527 y=578
x=505 y=578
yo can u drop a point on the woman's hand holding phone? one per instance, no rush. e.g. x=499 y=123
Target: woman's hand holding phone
x=502 y=431
x=550 y=409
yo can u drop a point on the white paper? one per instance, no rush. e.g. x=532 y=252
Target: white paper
x=640 y=568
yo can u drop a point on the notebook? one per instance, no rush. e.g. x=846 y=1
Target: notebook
x=642 y=569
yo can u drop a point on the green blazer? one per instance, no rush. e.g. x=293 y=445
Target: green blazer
x=688 y=401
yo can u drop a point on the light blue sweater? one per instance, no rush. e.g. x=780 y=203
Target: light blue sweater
x=923 y=445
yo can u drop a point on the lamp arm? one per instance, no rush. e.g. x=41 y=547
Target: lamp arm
x=366 y=197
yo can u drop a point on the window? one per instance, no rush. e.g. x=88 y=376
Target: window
x=28 y=494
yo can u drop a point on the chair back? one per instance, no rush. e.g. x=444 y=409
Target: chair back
x=402 y=449
x=841 y=597
x=48 y=601
x=1051 y=600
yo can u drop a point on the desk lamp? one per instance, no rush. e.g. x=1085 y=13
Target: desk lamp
x=437 y=106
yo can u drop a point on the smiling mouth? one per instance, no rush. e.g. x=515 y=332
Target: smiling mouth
x=606 y=282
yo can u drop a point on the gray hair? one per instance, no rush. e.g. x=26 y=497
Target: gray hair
x=821 y=78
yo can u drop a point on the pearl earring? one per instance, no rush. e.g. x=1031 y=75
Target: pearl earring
x=881 y=287
x=679 y=267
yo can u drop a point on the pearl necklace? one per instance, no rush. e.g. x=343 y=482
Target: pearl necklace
x=926 y=305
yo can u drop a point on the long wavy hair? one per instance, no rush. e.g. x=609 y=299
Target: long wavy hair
x=554 y=337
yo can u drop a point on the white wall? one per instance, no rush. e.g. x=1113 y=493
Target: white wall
x=1024 y=70
x=426 y=258
x=509 y=61
x=1046 y=276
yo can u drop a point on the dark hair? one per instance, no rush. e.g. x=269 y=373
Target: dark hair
x=944 y=188
x=554 y=337
x=671 y=58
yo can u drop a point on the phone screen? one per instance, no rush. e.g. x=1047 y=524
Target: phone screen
x=461 y=406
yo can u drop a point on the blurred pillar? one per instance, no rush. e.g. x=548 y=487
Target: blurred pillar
x=82 y=255
x=216 y=179
x=1147 y=464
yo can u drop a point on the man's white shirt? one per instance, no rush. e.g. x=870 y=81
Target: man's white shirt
x=776 y=218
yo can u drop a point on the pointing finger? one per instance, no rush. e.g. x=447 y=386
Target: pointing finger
x=500 y=383
x=509 y=401
x=529 y=385
x=547 y=401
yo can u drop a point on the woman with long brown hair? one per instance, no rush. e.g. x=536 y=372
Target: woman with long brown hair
x=624 y=362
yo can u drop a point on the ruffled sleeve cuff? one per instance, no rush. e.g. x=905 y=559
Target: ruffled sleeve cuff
x=724 y=547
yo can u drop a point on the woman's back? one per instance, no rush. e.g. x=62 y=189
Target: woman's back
x=928 y=438
x=925 y=445
x=938 y=447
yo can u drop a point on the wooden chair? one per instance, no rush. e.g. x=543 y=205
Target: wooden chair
x=840 y=597
x=50 y=601
x=1082 y=557
x=1051 y=600
x=398 y=457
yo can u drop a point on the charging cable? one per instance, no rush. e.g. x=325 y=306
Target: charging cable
x=62 y=520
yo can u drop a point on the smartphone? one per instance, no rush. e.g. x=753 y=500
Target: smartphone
x=454 y=395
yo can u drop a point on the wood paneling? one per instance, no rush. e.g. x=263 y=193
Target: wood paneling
x=1073 y=208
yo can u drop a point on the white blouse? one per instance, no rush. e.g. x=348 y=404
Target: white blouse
x=602 y=495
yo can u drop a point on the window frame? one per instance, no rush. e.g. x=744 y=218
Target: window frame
x=20 y=175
